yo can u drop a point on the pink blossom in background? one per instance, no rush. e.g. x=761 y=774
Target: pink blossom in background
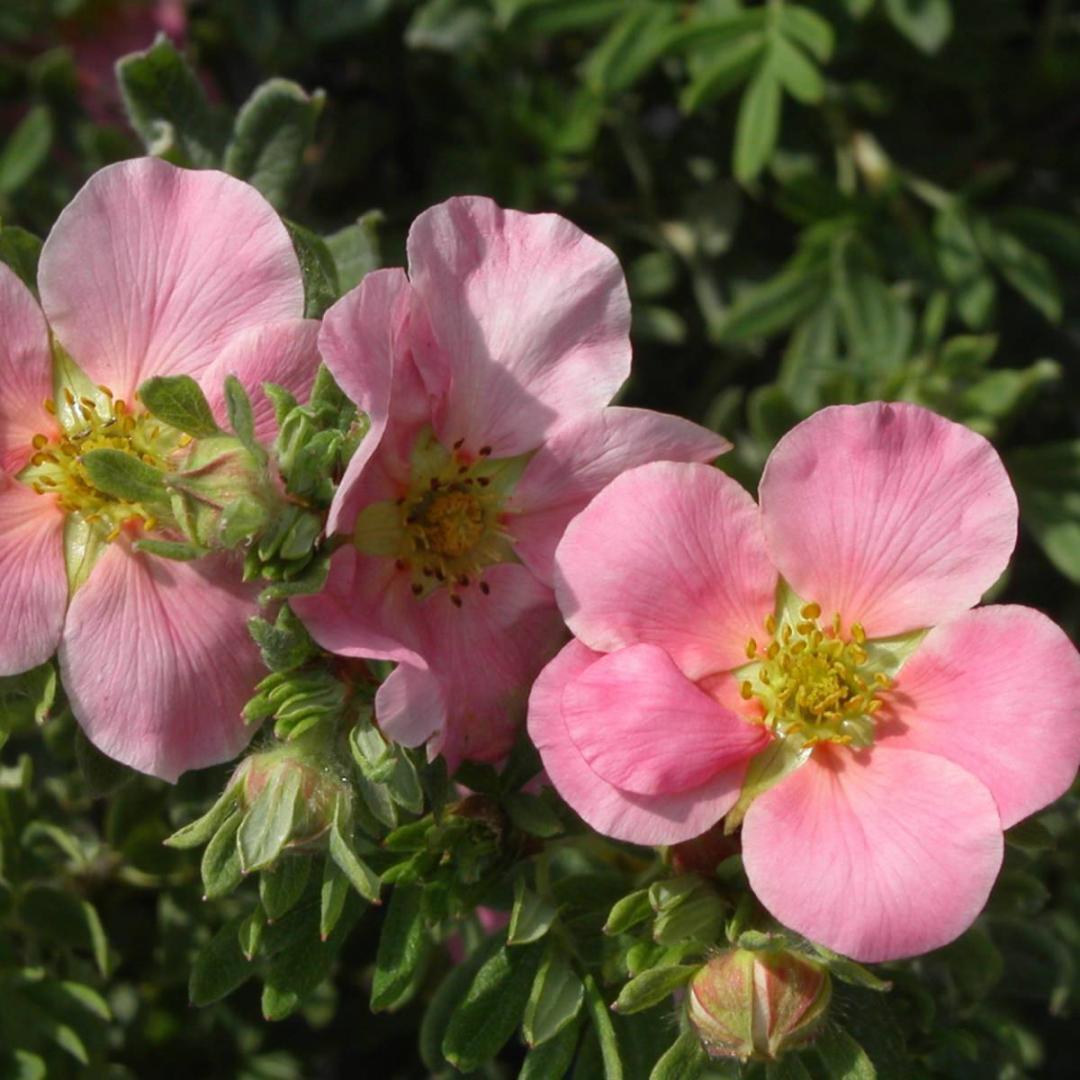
x=150 y=270
x=112 y=30
x=486 y=375
x=820 y=654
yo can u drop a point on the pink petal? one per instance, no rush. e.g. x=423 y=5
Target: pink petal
x=879 y=855
x=996 y=691
x=888 y=514
x=365 y=610
x=152 y=269
x=486 y=655
x=25 y=372
x=157 y=661
x=580 y=458
x=33 y=582
x=639 y=819
x=643 y=726
x=357 y=343
x=672 y=555
x=410 y=705
x=531 y=315
x=285 y=353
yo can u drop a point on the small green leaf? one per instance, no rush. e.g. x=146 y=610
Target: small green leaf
x=797 y=72
x=533 y=814
x=1031 y=835
x=250 y=933
x=730 y=65
x=317 y=265
x=850 y=972
x=555 y=999
x=626 y=913
x=282 y=885
x=653 y=986
x=221 y=871
x=124 y=476
x=773 y=305
x=241 y=417
x=273 y=129
x=492 y=1008
x=1047 y=478
x=789 y=1067
x=362 y=878
x=685 y=1059
x=401 y=946
x=553 y=1057
x=25 y=149
x=332 y=896
x=531 y=917
x=842 y=1056
x=178 y=400
x=605 y=1031
x=177 y=550
x=1028 y=272
x=220 y=966
x=167 y=106
x=758 y=124
x=20 y=250
x=632 y=45
x=809 y=29
x=198 y=832
x=927 y=24
x=268 y=824
x=355 y=250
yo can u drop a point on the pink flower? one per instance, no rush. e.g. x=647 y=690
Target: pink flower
x=889 y=756
x=150 y=270
x=486 y=376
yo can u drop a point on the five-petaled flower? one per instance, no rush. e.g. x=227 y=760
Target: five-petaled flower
x=821 y=656
x=151 y=270
x=486 y=376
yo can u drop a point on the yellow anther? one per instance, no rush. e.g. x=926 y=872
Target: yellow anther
x=39 y=441
x=773 y=651
x=746 y=690
x=858 y=634
x=106 y=391
x=770 y=624
x=751 y=649
x=883 y=680
x=49 y=406
x=810 y=611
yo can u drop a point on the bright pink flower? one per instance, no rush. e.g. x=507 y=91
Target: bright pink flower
x=150 y=270
x=486 y=376
x=884 y=757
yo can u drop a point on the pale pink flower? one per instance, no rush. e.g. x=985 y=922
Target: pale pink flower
x=889 y=756
x=150 y=270
x=486 y=376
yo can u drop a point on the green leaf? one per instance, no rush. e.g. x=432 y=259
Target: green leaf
x=798 y=74
x=333 y=893
x=167 y=106
x=355 y=249
x=730 y=65
x=249 y=935
x=124 y=476
x=282 y=885
x=684 y=1060
x=273 y=129
x=773 y=305
x=492 y=1008
x=758 y=124
x=555 y=998
x=629 y=49
x=653 y=986
x=317 y=266
x=401 y=946
x=25 y=149
x=20 y=250
x=177 y=550
x=850 y=972
x=789 y=1067
x=198 y=832
x=1031 y=835
x=220 y=966
x=1047 y=478
x=241 y=417
x=178 y=400
x=533 y=815
x=531 y=917
x=221 y=871
x=626 y=913
x=927 y=24
x=362 y=878
x=268 y=824
x=809 y=29
x=604 y=1030
x=842 y=1056
x=447 y=26
x=1028 y=272
x=554 y=1057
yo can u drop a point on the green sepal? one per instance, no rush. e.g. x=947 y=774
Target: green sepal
x=178 y=400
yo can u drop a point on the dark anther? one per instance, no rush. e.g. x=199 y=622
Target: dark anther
x=483 y=481
x=460 y=443
x=455 y=600
x=485 y=588
x=417 y=590
x=463 y=581
x=485 y=451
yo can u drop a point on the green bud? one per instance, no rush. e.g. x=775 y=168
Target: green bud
x=222 y=494
x=758 y=1004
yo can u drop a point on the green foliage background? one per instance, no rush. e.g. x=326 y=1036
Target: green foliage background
x=816 y=201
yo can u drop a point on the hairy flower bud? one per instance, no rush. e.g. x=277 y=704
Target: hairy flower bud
x=223 y=494
x=758 y=1003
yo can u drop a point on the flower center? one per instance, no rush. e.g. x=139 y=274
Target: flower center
x=815 y=684
x=56 y=466
x=448 y=526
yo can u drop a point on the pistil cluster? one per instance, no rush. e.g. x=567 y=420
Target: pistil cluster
x=56 y=467
x=816 y=684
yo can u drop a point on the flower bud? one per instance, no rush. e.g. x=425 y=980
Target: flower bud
x=315 y=790
x=758 y=1003
x=223 y=494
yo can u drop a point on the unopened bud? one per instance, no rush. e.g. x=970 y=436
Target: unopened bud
x=222 y=494
x=758 y=1003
